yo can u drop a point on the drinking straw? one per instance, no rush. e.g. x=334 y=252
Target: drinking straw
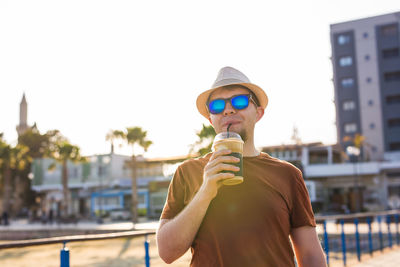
x=227 y=129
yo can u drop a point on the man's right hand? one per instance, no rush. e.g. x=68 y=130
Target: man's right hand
x=213 y=175
x=175 y=236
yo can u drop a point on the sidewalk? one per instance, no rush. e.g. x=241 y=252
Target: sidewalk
x=129 y=252
x=389 y=258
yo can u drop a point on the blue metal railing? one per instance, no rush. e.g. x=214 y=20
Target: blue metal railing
x=64 y=253
x=341 y=244
x=338 y=244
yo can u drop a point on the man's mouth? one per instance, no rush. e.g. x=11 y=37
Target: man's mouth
x=226 y=124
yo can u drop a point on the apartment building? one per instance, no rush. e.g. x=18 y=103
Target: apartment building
x=366 y=76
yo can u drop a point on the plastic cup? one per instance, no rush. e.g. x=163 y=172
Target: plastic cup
x=233 y=142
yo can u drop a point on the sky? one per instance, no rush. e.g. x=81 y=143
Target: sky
x=87 y=67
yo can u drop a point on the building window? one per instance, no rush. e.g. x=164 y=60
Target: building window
x=370 y=102
x=349 y=105
x=392 y=76
x=389 y=30
x=394 y=122
x=369 y=80
x=374 y=149
x=345 y=61
x=393 y=99
x=343 y=39
x=347 y=82
x=141 y=199
x=365 y=35
x=389 y=53
x=350 y=128
x=394 y=146
x=367 y=57
x=372 y=126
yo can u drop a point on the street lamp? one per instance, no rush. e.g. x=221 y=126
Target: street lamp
x=354 y=152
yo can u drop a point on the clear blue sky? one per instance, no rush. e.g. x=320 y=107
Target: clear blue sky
x=90 y=66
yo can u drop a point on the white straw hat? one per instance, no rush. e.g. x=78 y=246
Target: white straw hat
x=230 y=76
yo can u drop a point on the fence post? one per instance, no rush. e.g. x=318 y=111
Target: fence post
x=64 y=256
x=369 y=236
x=389 y=232
x=380 y=233
x=343 y=243
x=146 y=249
x=357 y=240
x=397 y=229
x=326 y=243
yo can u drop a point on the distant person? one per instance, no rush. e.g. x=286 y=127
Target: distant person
x=43 y=217
x=58 y=216
x=30 y=215
x=50 y=216
x=248 y=224
x=5 y=218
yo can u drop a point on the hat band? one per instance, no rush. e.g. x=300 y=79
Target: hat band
x=227 y=82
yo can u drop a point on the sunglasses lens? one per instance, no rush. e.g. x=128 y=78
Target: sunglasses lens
x=240 y=101
x=216 y=106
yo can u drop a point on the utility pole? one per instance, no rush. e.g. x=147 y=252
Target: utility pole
x=353 y=152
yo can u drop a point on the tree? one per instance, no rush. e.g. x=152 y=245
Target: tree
x=113 y=135
x=12 y=160
x=37 y=143
x=63 y=151
x=135 y=136
x=5 y=162
x=38 y=147
x=206 y=137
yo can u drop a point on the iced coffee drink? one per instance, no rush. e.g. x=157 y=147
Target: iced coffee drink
x=233 y=142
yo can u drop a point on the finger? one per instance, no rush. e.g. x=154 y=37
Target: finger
x=222 y=159
x=223 y=167
x=219 y=153
x=219 y=177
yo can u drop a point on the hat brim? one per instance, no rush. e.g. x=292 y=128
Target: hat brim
x=201 y=101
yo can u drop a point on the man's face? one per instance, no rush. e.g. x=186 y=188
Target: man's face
x=242 y=121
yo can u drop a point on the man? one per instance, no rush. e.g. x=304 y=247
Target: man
x=241 y=225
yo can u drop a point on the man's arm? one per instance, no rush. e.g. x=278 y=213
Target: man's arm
x=175 y=236
x=306 y=245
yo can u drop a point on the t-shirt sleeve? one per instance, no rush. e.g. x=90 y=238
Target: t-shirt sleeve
x=175 y=198
x=302 y=213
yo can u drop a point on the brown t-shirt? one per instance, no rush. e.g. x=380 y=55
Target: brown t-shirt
x=246 y=224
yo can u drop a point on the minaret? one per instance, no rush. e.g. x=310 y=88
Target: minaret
x=23 y=116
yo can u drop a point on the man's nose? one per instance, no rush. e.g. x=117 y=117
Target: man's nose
x=229 y=109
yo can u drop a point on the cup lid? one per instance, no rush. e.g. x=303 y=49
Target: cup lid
x=226 y=135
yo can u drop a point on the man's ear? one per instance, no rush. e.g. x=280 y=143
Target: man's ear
x=260 y=113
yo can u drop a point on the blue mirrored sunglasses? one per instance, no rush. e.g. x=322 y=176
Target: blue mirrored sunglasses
x=238 y=102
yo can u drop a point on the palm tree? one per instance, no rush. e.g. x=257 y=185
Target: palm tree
x=63 y=151
x=206 y=136
x=135 y=136
x=112 y=135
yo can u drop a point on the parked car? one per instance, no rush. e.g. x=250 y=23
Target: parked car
x=120 y=214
